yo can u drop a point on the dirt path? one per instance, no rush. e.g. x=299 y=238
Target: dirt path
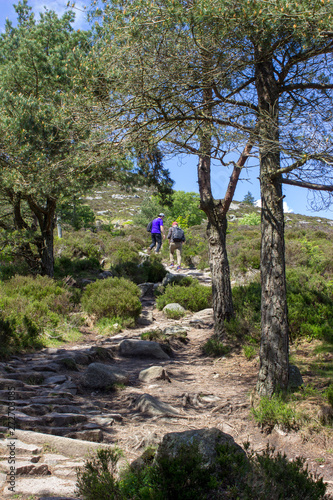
x=206 y=392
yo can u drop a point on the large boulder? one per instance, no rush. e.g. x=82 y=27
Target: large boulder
x=206 y=439
x=101 y=376
x=142 y=348
x=174 y=307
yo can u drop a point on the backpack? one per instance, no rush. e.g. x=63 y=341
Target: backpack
x=149 y=227
x=177 y=234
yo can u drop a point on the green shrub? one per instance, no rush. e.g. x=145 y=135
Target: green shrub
x=31 y=306
x=112 y=297
x=97 y=481
x=235 y=475
x=215 y=348
x=194 y=297
x=250 y=220
x=274 y=476
x=173 y=314
x=329 y=394
x=64 y=266
x=310 y=305
x=151 y=270
x=276 y=411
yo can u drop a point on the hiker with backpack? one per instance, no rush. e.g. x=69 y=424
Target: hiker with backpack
x=176 y=238
x=155 y=227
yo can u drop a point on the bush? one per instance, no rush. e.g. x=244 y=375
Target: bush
x=64 y=266
x=30 y=306
x=112 y=297
x=194 y=297
x=98 y=479
x=214 y=347
x=151 y=270
x=310 y=306
x=234 y=476
x=275 y=411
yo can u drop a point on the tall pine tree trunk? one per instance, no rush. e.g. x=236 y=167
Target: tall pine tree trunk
x=45 y=241
x=216 y=233
x=273 y=371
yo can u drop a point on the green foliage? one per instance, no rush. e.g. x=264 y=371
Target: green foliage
x=111 y=298
x=250 y=220
x=249 y=199
x=76 y=214
x=151 y=270
x=194 y=297
x=173 y=314
x=277 y=477
x=64 y=266
x=97 y=481
x=234 y=474
x=276 y=411
x=310 y=305
x=215 y=348
x=29 y=307
x=329 y=394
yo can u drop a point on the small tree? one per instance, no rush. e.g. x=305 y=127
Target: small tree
x=249 y=198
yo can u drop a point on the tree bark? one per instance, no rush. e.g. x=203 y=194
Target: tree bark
x=216 y=234
x=274 y=367
x=45 y=242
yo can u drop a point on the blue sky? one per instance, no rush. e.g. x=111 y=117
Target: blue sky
x=182 y=169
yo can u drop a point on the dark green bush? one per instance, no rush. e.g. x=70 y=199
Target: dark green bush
x=214 y=347
x=234 y=475
x=29 y=306
x=329 y=394
x=194 y=297
x=64 y=266
x=151 y=270
x=310 y=305
x=112 y=297
x=38 y=298
x=98 y=479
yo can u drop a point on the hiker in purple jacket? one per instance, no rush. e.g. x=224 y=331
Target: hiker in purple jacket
x=157 y=230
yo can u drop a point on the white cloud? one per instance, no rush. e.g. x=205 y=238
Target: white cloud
x=286 y=209
x=60 y=7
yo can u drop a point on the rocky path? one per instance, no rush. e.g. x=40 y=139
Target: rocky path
x=59 y=405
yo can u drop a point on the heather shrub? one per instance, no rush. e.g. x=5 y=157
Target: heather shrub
x=30 y=306
x=194 y=297
x=112 y=297
x=234 y=475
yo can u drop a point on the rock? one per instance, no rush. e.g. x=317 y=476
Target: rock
x=175 y=330
x=295 y=377
x=101 y=353
x=174 y=307
x=171 y=278
x=153 y=406
x=145 y=318
x=207 y=440
x=204 y=314
x=153 y=373
x=147 y=289
x=93 y=435
x=42 y=486
x=100 y=376
x=55 y=379
x=142 y=348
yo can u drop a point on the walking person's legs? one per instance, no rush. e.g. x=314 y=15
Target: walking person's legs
x=179 y=254
x=158 y=237
x=171 y=255
x=153 y=241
